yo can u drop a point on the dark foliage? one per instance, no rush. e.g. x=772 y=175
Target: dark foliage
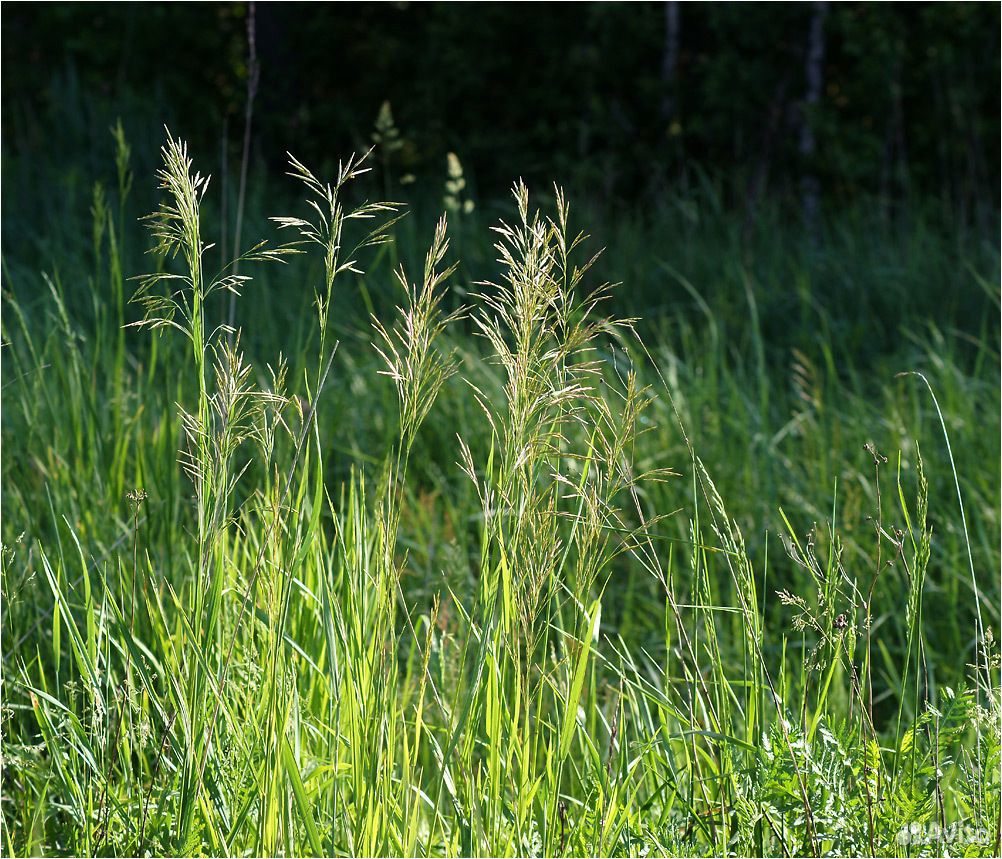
x=613 y=100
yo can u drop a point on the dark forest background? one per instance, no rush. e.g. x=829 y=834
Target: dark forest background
x=817 y=106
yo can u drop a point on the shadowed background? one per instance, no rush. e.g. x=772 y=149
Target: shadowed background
x=622 y=101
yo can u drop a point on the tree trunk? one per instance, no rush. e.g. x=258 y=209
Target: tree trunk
x=669 y=61
x=814 y=74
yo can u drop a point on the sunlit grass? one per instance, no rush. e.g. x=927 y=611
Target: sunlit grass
x=495 y=575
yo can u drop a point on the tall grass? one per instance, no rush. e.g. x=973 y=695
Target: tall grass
x=494 y=577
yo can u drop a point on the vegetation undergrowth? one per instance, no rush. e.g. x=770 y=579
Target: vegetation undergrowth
x=489 y=577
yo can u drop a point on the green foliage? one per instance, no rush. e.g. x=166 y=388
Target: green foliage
x=490 y=577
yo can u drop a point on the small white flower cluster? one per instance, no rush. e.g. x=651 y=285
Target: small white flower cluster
x=455 y=200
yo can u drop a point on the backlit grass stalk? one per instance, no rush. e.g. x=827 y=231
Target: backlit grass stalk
x=224 y=416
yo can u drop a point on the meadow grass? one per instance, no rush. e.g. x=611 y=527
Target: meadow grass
x=488 y=568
